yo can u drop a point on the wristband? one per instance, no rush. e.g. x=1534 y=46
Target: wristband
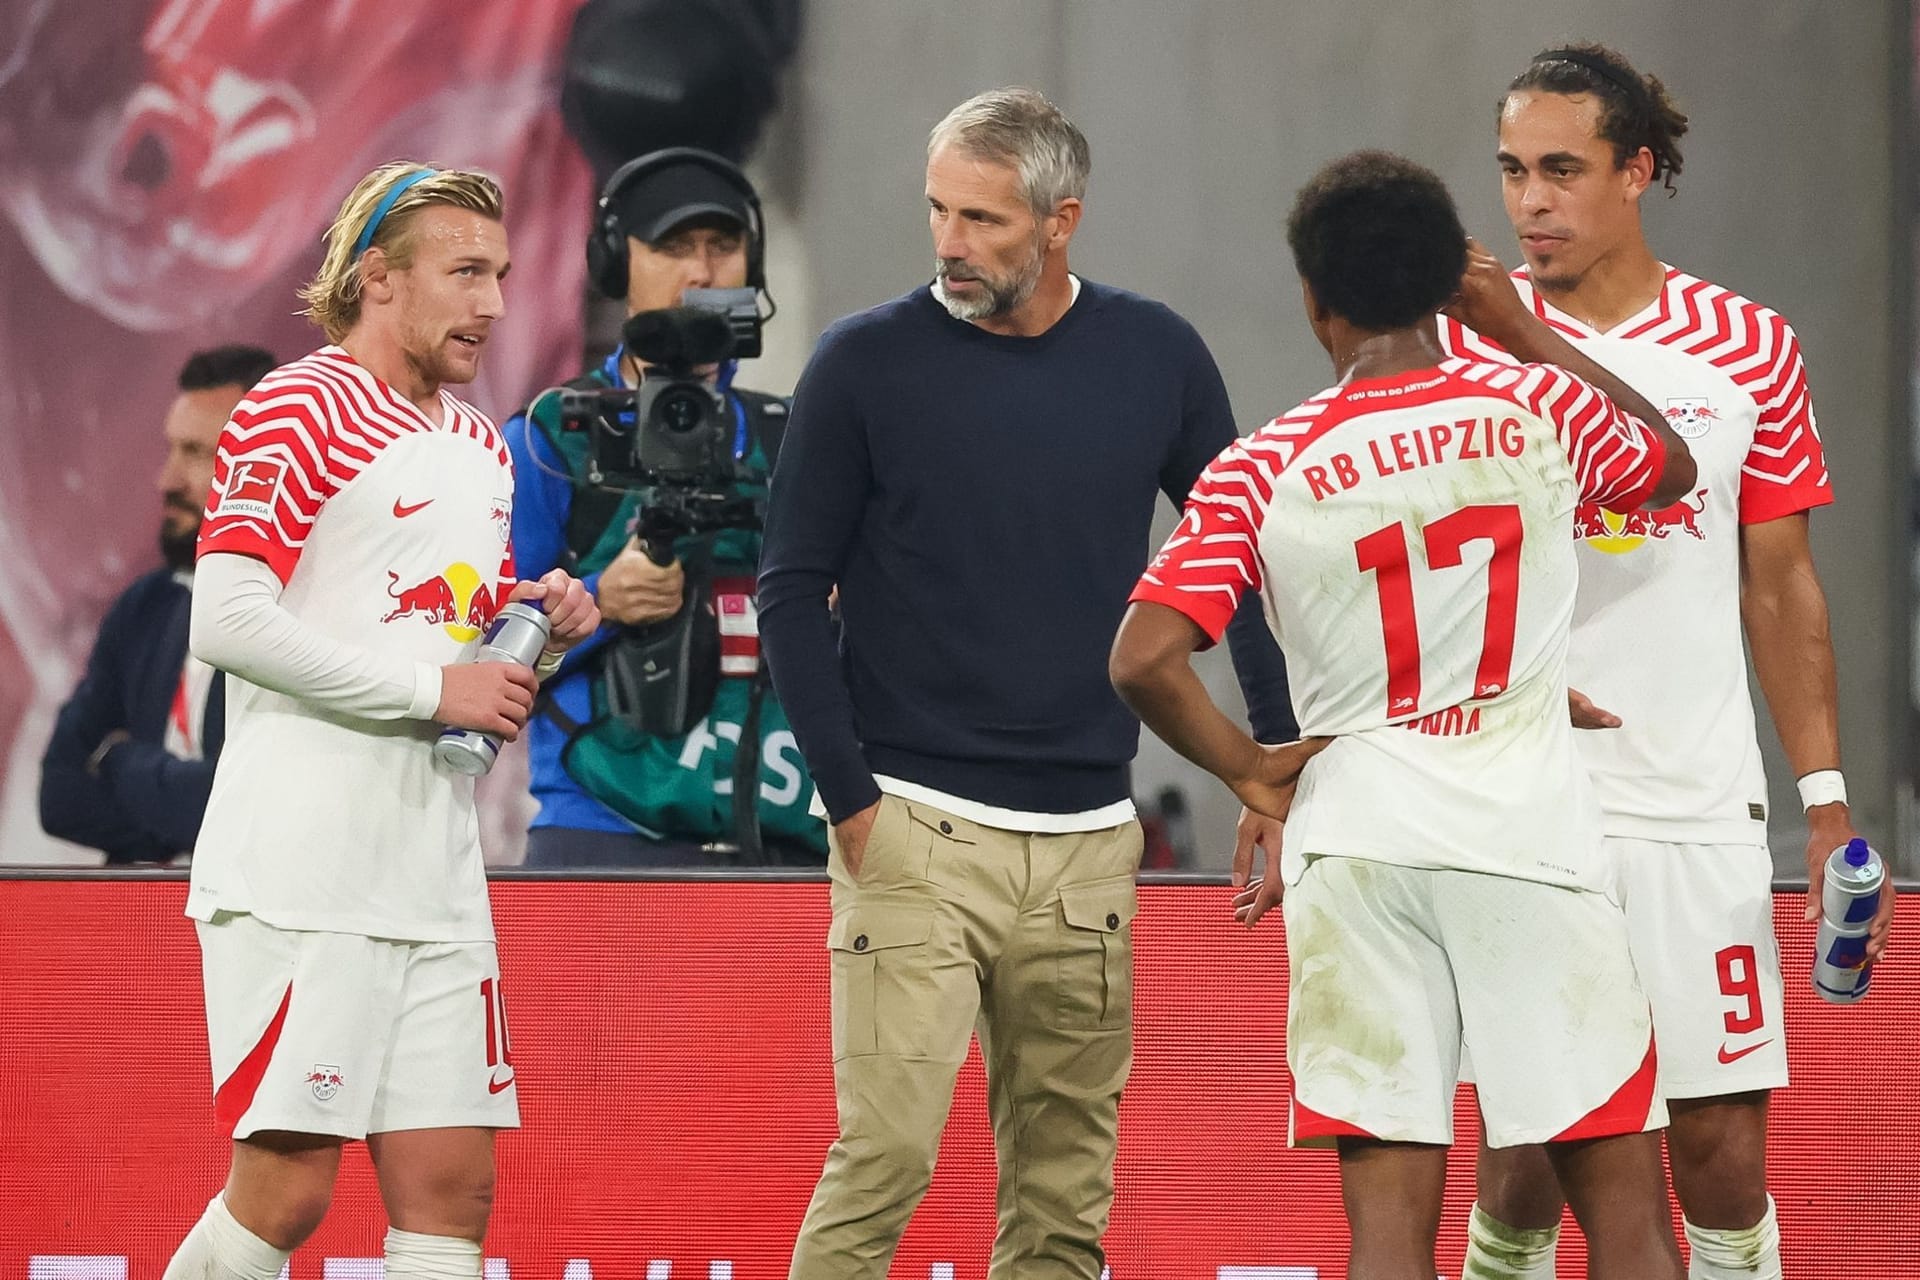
x=549 y=662
x=1822 y=786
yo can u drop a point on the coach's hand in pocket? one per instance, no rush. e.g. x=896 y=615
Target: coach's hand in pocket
x=851 y=836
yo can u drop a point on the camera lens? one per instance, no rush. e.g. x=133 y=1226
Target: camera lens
x=680 y=412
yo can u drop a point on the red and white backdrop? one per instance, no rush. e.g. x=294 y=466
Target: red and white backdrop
x=166 y=169
x=671 y=1047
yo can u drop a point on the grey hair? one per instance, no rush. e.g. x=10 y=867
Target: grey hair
x=1020 y=128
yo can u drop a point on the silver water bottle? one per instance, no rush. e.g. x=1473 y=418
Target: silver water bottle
x=1849 y=898
x=517 y=634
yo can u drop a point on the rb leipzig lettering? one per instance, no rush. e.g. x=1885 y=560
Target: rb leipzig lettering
x=1467 y=440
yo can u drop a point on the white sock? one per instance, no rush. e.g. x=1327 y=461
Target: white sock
x=1749 y=1254
x=219 y=1248
x=412 y=1256
x=1496 y=1251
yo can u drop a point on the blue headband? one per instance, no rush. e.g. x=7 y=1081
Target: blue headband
x=385 y=206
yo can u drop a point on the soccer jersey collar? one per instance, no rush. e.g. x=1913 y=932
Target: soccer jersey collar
x=1655 y=309
x=447 y=402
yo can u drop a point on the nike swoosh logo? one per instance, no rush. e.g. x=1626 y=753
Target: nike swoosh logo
x=500 y=1086
x=1726 y=1057
x=401 y=512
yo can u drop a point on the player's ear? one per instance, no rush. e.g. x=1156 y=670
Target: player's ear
x=1639 y=172
x=376 y=283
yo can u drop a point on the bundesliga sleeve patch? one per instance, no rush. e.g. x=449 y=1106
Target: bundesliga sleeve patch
x=251 y=489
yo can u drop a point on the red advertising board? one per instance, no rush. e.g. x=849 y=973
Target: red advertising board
x=670 y=1040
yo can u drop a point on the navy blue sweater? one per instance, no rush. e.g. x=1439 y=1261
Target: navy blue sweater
x=146 y=804
x=984 y=504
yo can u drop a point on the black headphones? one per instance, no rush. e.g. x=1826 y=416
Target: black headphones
x=607 y=242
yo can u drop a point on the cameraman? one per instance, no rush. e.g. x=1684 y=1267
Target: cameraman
x=610 y=793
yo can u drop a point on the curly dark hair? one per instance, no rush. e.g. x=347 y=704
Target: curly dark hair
x=1378 y=239
x=1635 y=110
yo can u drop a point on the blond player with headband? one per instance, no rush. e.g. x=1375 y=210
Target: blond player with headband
x=356 y=541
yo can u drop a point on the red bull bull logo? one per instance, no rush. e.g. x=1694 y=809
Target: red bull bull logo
x=1690 y=416
x=325 y=1080
x=1617 y=534
x=457 y=599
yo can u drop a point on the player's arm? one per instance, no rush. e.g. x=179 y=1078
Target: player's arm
x=240 y=626
x=1785 y=614
x=1784 y=610
x=1490 y=305
x=1186 y=599
x=1151 y=668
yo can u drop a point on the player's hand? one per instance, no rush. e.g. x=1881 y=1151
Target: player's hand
x=1585 y=715
x=570 y=611
x=492 y=697
x=1268 y=788
x=1258 y=896
x=851 y=836
x=1487 y=302
x=1829 y=827
x=635 y=591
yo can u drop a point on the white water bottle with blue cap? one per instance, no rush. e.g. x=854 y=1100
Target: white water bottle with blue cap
x=1849 y=899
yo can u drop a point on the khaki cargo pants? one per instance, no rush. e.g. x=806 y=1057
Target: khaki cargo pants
x=952 y=928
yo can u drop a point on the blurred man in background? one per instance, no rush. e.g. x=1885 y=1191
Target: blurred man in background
x=130 y=763
x=1583 y=137
x=627 y=791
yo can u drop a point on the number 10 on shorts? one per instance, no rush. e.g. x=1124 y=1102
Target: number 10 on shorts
x=499 y=1048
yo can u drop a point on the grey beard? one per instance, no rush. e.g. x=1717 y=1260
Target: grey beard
x=997 y=298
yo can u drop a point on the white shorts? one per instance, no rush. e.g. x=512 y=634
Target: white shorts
x=1389 y=966
x=1701 y=919
x=334 y=1033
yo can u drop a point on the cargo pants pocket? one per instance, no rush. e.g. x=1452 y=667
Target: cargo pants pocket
x=1095 y=983
x=881 y=985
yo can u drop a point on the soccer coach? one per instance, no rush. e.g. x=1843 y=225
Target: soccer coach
x=974 y=466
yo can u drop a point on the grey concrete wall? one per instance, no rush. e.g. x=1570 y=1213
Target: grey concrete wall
x=1205 y=116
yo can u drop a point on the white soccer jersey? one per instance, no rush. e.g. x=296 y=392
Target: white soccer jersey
x=1657 y=636
x=390 y=533
x=1408 y=536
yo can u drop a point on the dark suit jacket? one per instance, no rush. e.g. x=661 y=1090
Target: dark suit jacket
x=145 y=805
